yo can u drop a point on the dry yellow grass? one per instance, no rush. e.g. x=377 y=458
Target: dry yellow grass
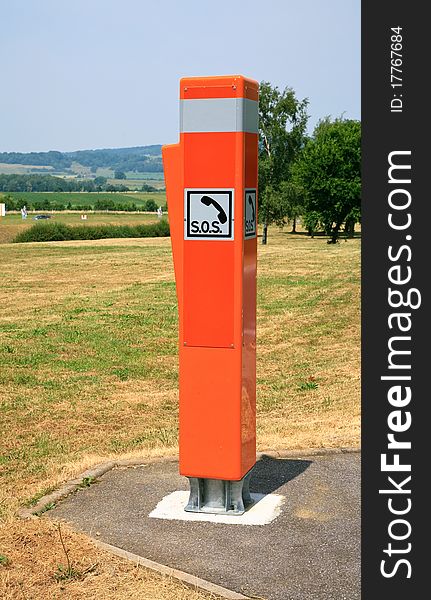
x=37 y=565
x=88 y=335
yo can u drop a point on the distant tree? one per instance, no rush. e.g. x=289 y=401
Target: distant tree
x=57 y=206
x=42 y=183
x=102 y=204
x=282 y=122
x=311 y=220
x=150 y=205
x=352 y=218
x=119 y=175
x=88 y=185
x=100 y=181
x=44 y=204
x=116 y=188
x=292 y=198
x=272 y=209
x=329 y=169
x=9 y=202
x=148 y=188
x=83 y=207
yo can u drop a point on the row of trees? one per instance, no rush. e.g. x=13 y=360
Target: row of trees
x=316 y=178
x=53 y=158
x=49 y=183
x=45 y=204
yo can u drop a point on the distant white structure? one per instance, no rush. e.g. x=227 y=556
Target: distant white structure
x=2 y=209
x=160 y=212
x=83 y=217
x=24 y=212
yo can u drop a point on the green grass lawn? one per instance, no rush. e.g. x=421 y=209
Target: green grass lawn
x=88 y=348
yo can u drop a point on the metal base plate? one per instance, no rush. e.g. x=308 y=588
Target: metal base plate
x=219 y=496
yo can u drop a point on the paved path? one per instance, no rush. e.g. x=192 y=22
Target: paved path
x=310 y=552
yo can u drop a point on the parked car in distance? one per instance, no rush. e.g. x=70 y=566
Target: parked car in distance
x=38 y=217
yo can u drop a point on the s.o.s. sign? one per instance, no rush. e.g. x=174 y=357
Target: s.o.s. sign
x=208 y=214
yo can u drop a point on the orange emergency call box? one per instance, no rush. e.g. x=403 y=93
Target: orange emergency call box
x=211 y=184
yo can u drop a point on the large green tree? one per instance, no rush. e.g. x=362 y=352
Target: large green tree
x=329 y=169
x=282 y=122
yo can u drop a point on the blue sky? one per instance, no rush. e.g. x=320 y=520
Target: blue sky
x=78 y=74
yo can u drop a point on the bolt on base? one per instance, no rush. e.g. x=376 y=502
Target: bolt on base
x=219 y=496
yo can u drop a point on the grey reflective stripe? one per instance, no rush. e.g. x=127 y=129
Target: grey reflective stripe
x=218 y=114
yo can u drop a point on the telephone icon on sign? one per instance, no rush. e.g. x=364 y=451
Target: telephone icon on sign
x=250 y=201
x=222 y=216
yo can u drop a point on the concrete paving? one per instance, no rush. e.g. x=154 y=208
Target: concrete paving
x=311 y=551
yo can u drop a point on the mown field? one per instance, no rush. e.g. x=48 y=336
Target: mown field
x=81 y=198
x=88 y=348
x=13 y=224
x=17 y=169
x=135 y=181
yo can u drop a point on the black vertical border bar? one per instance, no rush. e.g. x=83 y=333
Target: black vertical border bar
x=384 y=132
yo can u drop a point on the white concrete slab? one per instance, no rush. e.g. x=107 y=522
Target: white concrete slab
x=267 y=507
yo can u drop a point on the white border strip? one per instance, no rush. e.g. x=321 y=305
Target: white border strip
x=207 y=115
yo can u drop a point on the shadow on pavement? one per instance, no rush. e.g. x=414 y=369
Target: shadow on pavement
x=270 y=473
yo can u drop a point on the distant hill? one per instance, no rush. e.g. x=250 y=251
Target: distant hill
x=137 y=159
